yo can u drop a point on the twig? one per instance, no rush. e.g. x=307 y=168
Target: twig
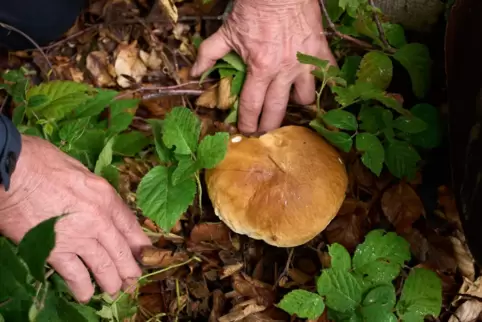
x=173 y=92
x=383 y=38
x=20 y=32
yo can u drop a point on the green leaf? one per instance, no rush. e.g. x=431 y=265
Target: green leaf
x=304 y=304
x=18 y=115
x=334 y=11
x=212 y=150
x=350 y=68
x=120 y=122
x=395 y=34
x=341 y=119
x=312 y=60
x=371 y=118
x=111 y=174
x=364 y=25
x=374 y=314
x=58 y=309
x=227 y=72
x=341 y=140
x=376 y=68
x=409 y=124
x=87 y=148
x=71 y=131
x=401 y=159
x=415 y=58
x=431 y=137
x=237 y=83
x=162 y=202
x=340 y=258
x=97 y=104
x=37 y=100
x=36 y=245
x=349 y=5
x=373 y=152
x=105 y=157
x=378 y=304
x=341 y=289
x=217 y=66
x=130 y=144
x=185 y=169
x=119 y=106
x=380 y=257
x=181 y=129
x=235 y=61
x=164 y=154
x=421 y=295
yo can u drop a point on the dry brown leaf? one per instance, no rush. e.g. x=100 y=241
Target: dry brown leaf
x=151 y=60
x=170 y=9
x=469 y=311
x=129 y=63
x=230 y=270
x=347 y=230
x=402 y=206
x=242 y=311
x=76 y=74
x=471 y=288
x=209 y=98
x=218 y=95
x=465 y=261
x=298 y=276
x=217 y=307
x=210 y=232
x=156 y=257
x=97 y=64
x=419 y=245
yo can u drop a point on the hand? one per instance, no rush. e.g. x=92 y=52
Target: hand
x=99 y=228
x=267 y=34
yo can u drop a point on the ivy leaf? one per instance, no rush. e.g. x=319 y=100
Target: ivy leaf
x=235 y=61
x=415 y=58
x=185 y=169
x=350 y=68
x=376 y=68
x=36 y=245
x=161 y=201
x=380 y=257
x=212 y=150
x=401 y=159
x=340 y=258
x=181 y=129
x=409 y=124
x=312 y=60
x=431 y=137
x=105 y=157
x=341 y=119
x=341 y=140
x=130 y=144
x=304 y=304
x=341 y=289
x=421 y=295
x=395 y=34
x=373 y=152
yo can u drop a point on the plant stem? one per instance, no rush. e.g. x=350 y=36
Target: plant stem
x=200 y=193
x=381 y=32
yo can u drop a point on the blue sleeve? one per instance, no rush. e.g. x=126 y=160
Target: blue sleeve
x=10 y=147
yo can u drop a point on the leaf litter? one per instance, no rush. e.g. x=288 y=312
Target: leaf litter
x=205 y=272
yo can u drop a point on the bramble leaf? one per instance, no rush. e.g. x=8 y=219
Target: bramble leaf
x=341 y=289
x=431 y=137
x=421 y=295
x=395 y=34
x=373 y=152
x=371 y=118
x=376 y=68
x=340 y=258
x=235 y=61
x=312 y=60
x=181 y=129
x=185 y=169
x=380 y=257
x=161 y=201
x=129 y=144
x=94 y=106
x=341 y=119
x=409 y=124
x=212 y=150
x=164 y=154
x=341 y=140
x=415 y=58
x=401 y=159
x=237 y=83
x=350 y=68
x=304 y=304
x=105 y=157
x=120 y=122
x=378 y=304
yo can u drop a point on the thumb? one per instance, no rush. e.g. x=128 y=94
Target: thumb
x=211 y=49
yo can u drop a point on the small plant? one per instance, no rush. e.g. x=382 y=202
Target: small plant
x=167 y=190
x=361 y=289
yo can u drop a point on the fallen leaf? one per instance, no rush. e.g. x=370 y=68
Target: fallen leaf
x=217 y=233
x=465 y=261
x=129 y=63
x=154 y=257
x=218 y=96
x=402 y=206
x=151 y=60
x=242 y=311
x=97 y=64
x=469 y=311
x=230 y=270
x=347 y=230
x=169 y=8
x=217 y=307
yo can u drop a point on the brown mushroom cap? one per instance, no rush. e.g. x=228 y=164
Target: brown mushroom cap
x=284 y=187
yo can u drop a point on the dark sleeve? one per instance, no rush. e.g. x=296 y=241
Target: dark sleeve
x=10 y=147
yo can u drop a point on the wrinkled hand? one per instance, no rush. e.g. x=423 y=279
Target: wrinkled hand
x=267 y=34
x=99 y=231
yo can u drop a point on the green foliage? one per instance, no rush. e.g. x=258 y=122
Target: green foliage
x=364 y=290
x=166 y=192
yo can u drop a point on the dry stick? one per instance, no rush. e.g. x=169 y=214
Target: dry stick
x=173 y=92
x=20 y=32
x=379 y=26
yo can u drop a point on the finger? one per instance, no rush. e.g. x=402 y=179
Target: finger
x=75 y=274
x=251 y=101
x=101 y=266
x=119 y=251
x=211 y=49
x=275 y=103
x=304 y=88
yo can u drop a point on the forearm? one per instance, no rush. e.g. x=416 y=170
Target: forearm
x=10 y=147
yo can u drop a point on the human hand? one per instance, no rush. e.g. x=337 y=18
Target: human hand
x=267 y=34
x=99 y=228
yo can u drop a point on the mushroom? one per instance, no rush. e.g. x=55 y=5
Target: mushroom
x=284 y=187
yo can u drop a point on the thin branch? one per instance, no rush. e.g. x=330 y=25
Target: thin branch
x=383 y=37
x=20 y=32
x=172 y=92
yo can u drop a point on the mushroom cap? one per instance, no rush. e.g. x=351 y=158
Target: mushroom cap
x=284 y=187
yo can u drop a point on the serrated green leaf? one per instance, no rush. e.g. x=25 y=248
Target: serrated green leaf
x=374 y=314
x=334 y=11
x=401 y=159
x=217 y=66
x=105 y=157
x=350 y=68
x=312 y=60
x=130 y=144
x=372 y=150
x=380 y=257
x=18 y=115
x=382 y=296
x=181 y=129
x=304 y=304
x=421 y=295
x=341 y=140
x=37 y=100
x=371 y=118
x=415 y=58
x=57 y=309
x=212 y=150
x=185 y=169
x=340 y=258
x=431 y=137
x=119 y=123
x=376 y=68
x=164 y=154
x=88 y=146
x=71 y=131
x=162 y=202
x=364 y=25
x=36 y=245
x=395 y=34
x=341 y=119
x=409 y=124
x=341 y=289
x=95 y=105
x=235 y=61
x=112 y=175
x=119 y=106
